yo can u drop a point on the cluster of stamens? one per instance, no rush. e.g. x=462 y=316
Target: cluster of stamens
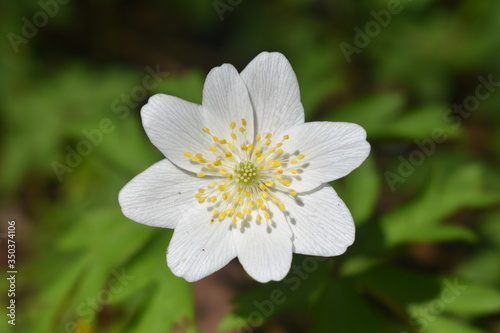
x=251 y=173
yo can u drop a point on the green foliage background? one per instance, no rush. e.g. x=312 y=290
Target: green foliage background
x=427 y=252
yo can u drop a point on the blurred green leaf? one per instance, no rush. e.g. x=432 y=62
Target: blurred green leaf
x=446 y=192
x=342 y=309
x=360 y=190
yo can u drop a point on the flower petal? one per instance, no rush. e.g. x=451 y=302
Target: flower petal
x=320 y=221
x=159 y=195
x=265 y=248
x=198 y=248
x=332 y=150
x=174 y=126
x=226 y=100
x=274 y=92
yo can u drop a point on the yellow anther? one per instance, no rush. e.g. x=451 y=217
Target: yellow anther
x=222 y=216
x=230 y=177
x=188 y=154
x=239 y=215
x=198 y=195
x=276 y=164
x=211 y=184
x=280 y=177
x=242 y=129
x=258 y=137
x=269 y=183
x=268 y=142
x=286 y=182
x=216 y=212
x=230 y=211
x=280 y=171
x=212 y=221
x=233 y=135
x=272 y=150
x=201 y=190
x=260 y=202
x=239 y=189
x=286 y=137
x=239 y=200
x=212 y=149
x=246 y=193
x=234 y=220
x=198 y=155
x=279 y=144
x=262 y=186
x=293 y=192
x=249 y=147
x=223 y=141
x=213 y=199
x=267 y=216
x=210 y=165
x=279 y=152
x=301 y=156
x=195 y=159
x=223 y=171
x=243 y=147
x=264 y=195
x=251 y=204
x=228 y=154
x=202 y=199
x=226 y=195
x=230 y=145
x=294 y=162
x=244 y=121
x=269 y=135
x=205 y=130
x=281 y=206
x=259 y=218
x=222 y=187
x=232 y=125
x=294 y=171
x=216 y=139
x=200 y=174
x=218 y=162
x=261 y=167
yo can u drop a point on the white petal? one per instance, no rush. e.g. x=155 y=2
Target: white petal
x=321 y=223
x=274 y=92
x=225 y=99
x=174 y=126
x=265 y=248
x=198 y=248
x=332 y=150
x=158 y=196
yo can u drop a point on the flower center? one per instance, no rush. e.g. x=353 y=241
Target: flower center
x=245 y=172
x=251 y=170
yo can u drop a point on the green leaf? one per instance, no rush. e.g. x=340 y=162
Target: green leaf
x=447 y=191
x=476 y=300
x=372 y=112
x=341 y=308
x=360 y=190
x=441 y=324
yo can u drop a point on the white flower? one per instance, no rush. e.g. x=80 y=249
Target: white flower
x=244 y=176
